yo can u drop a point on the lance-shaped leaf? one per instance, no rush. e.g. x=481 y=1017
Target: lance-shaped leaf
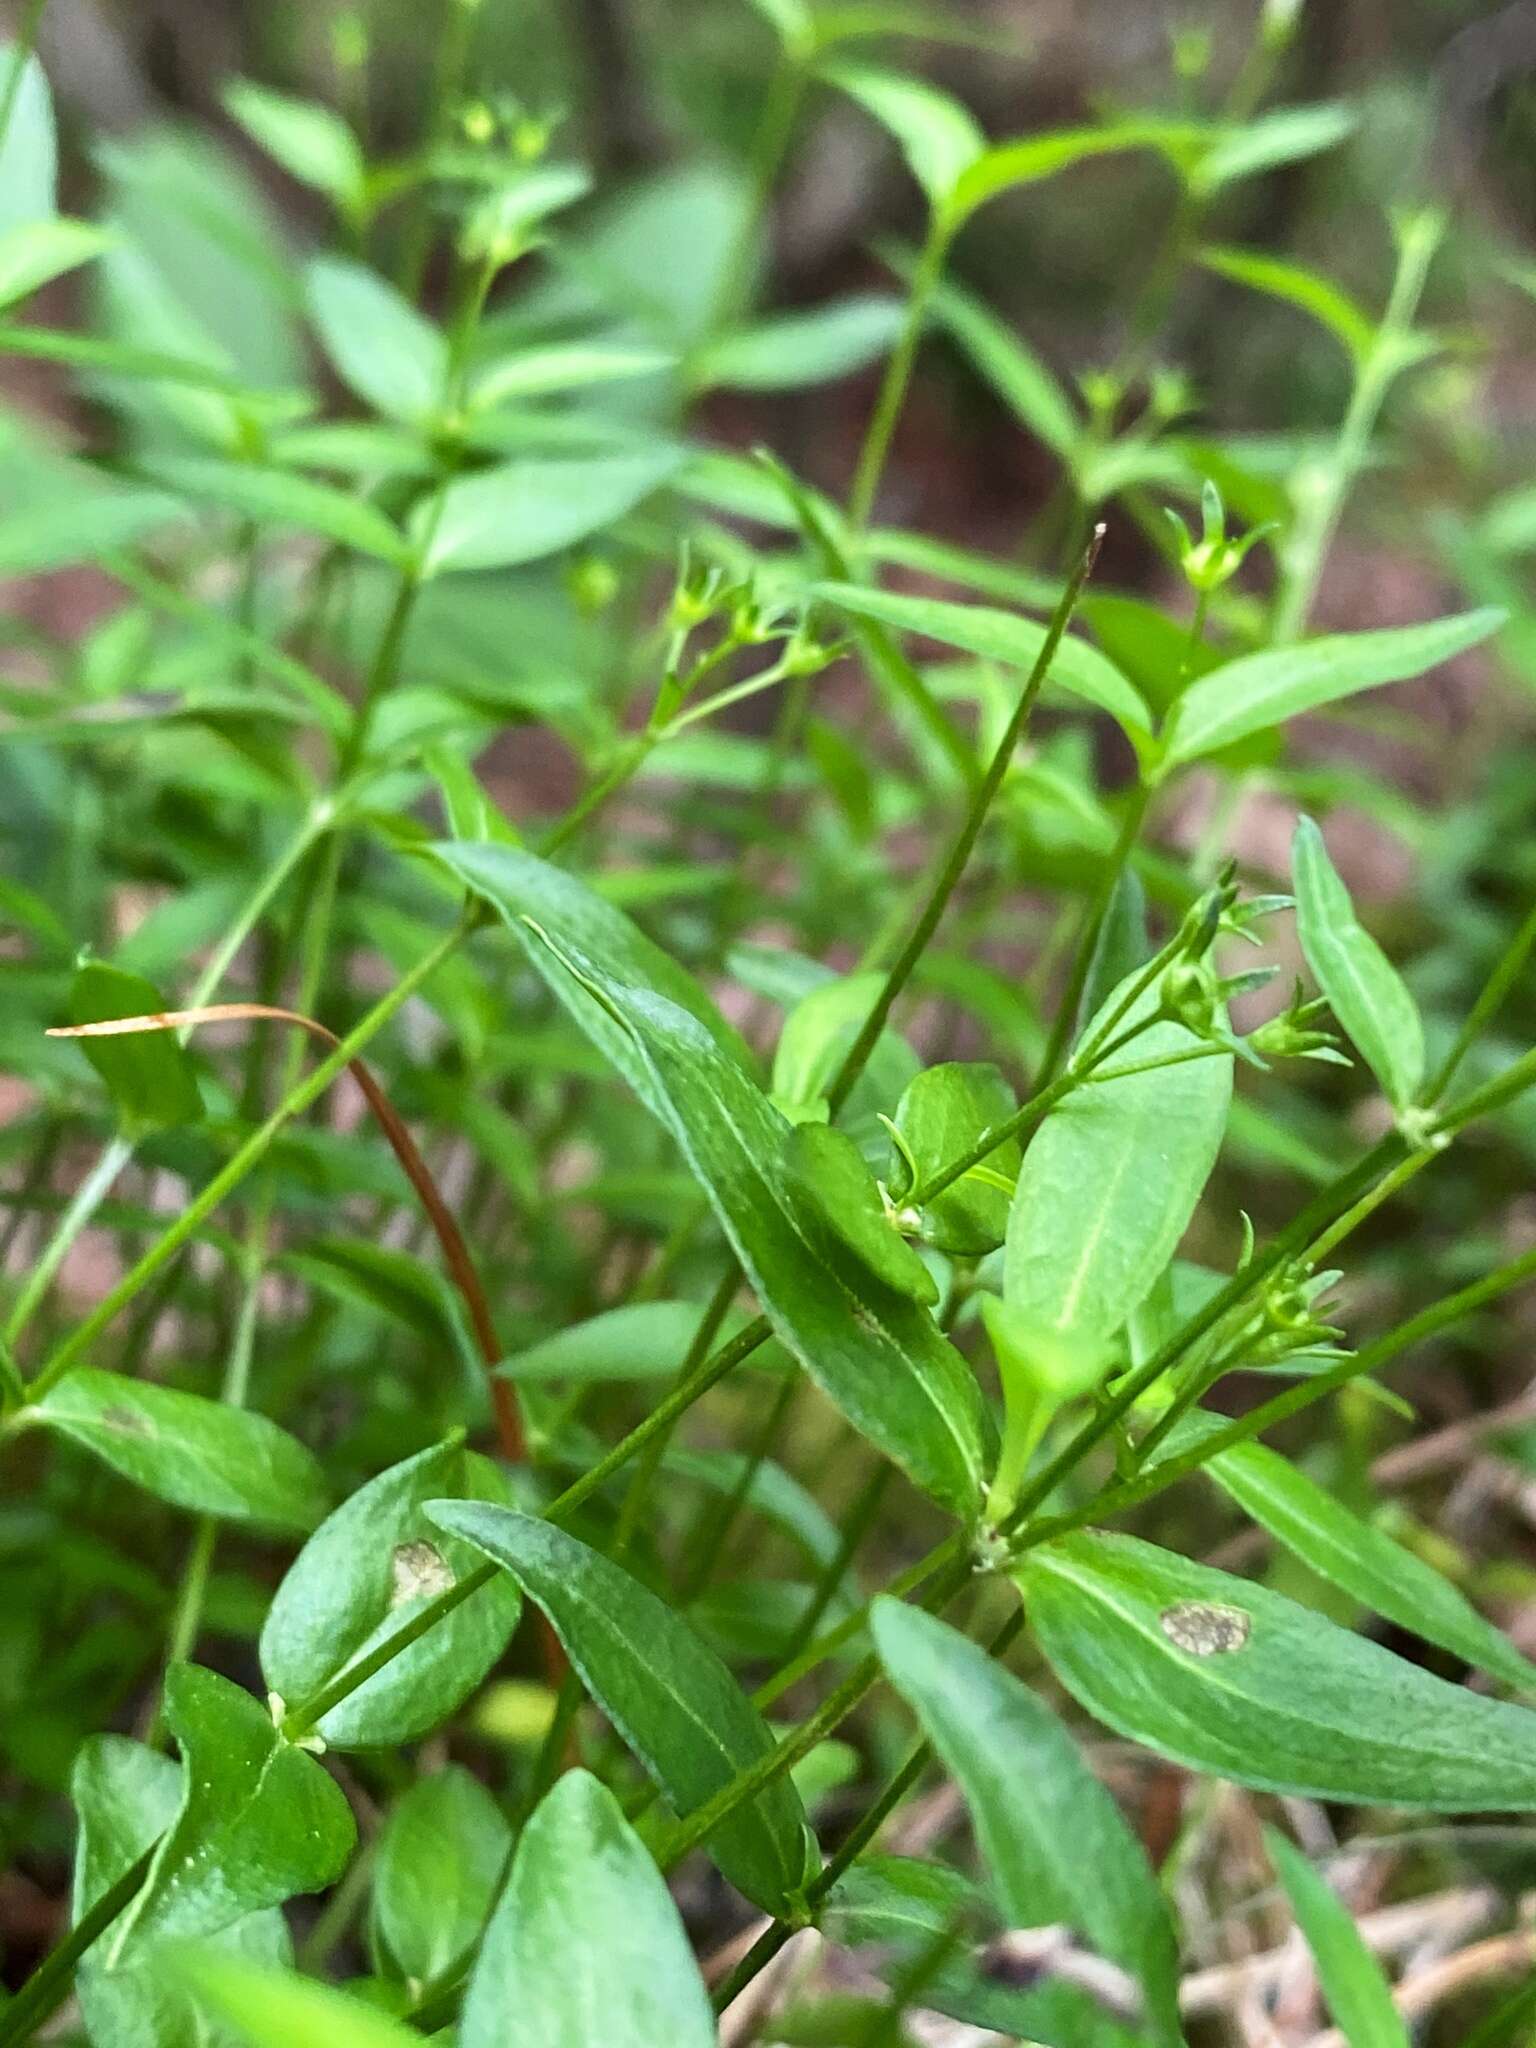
x=878 y=1356
x=1227 y=1677
x=1260 y=690
x=938 y=137
x=1283 y=136
x=148 y=1075
x=364 y=1571
x=793 y=350
x=1055 y=1844
x=29 y=144
x=394 y=359
x=643 y=1340
x=276 y=497
x=311 y=142
x=874 y=1352
x=908 y=1912
x=195 y=1453
x=1355 y=1555
x=662 y=1687
x=1110 y=1181
x=259 y=1821
x=441 y=1859
x=126 y=1796
x=528 y=510
x=1076 y=667
x=586 y=1949
x=280 y=2009
x=1357 y=1993
x=519 y=885
x=1364 y=990
x=838 y=1195
x=1305 y=289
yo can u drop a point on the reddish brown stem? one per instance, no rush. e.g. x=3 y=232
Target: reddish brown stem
x=456 y=1255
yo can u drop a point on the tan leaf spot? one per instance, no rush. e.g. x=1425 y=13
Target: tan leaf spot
x=1205 y=1630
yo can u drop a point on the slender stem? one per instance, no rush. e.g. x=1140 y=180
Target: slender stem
x=1065 y=1019
x=116 y=1154
x=898 y=375
x=307 y=1712
x=250 y=1154
x=1315 y=1217
x=856 y=1525
x=84 y=1203
x=1305 y=550
x=746 y=1785
x=954 y=867
x=1168 y=1471
x=1487 y=1006
x=48 y=1986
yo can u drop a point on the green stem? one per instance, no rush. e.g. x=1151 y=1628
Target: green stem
x=48 y=1986
x=1487 y=1006
x=307 y=1712
x=84 y=1203
x=1428 y=1323
x=954 y=867
x=898 y=375
x=1303 y=553
x=247 y=1156
x=1065 y=1019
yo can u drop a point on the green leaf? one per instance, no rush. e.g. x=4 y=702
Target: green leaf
x=147 y=1073
x=1364 y=990
x=1354 y=1554
x=793 y=350
x=939 y=138
x=1033 y=157
x=311 y=142
x=441 y=1858
x=519 y=885
x=1110 y=1181
x=1283 y=136
x=1225 y=1676
x=279 y=2009
x=1055 y=1844
x=365 y=1570
x=126 y=1796
x=839 y=1195
x=525 y=511
x=943 y=1113
x=818 y=1030
x=1299 y=287
x=1260 y=690
x=38 y=250
x=275 y=497
x=1357 y=1993
x=877 y=1356
x=259 y=1821
x=644 y=1340
x=195 y=1453
x=792 y=20
x=662 y=1687
x=1018 y=376
x=587 y=1949
x=1077 y=667
x=381 y=347
x=908 y=1909
x=1120 y=945
x=563 y=366
x=29 y=146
